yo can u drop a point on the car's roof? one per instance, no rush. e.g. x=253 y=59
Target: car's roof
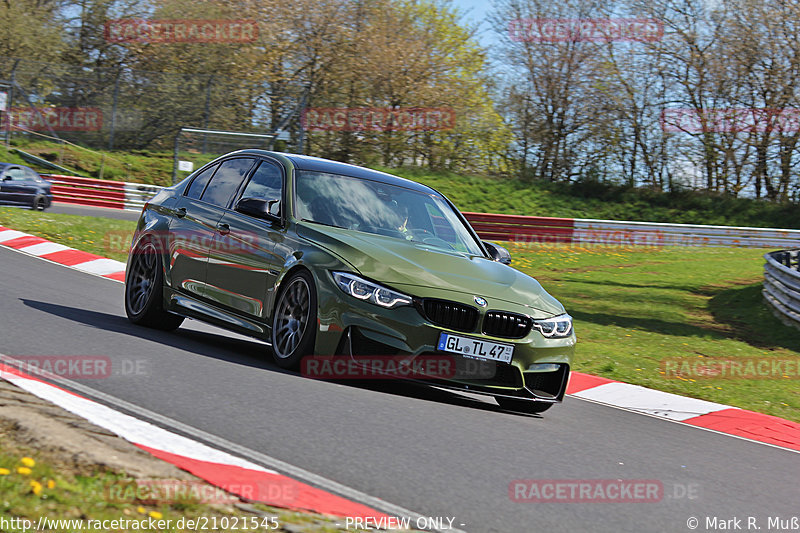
x=4 y=165
x=318 y=164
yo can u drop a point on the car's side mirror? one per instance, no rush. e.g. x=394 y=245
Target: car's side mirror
x=498 y=253
x=256 y=207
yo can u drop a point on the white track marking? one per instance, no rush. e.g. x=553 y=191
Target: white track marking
x=658 y=403
x=44 y=248
x=101 y=267
x=9 y=234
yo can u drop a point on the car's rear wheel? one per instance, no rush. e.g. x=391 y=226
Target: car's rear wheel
x=523 y=406
x=143 y=290
x=294 y=320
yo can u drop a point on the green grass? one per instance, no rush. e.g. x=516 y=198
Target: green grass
x=101 y=236
x=634 y=308
x=69 y=494
x=470 y=193
x=602 y=201
x=141 y=166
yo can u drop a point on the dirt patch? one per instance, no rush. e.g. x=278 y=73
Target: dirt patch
x=67 y=441
x=713 y=288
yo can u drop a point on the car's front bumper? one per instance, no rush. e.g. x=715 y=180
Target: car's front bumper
x=539 y=368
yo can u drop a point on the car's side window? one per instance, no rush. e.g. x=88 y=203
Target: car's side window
x=16 y=174
x=226 y=180
x=266 y=182
x=31 y=175
x=199 y=182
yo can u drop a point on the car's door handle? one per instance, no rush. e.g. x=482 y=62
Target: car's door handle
x=180 y=212
x=223 y=228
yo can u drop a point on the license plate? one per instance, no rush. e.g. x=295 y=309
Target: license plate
x=475 y=348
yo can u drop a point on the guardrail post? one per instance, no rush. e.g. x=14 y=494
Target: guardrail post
x=175 y=157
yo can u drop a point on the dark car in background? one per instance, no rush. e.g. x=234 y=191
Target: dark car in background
x=23 y=186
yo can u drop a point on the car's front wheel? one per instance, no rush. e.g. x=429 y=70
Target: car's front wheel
x=143 y=290
x=523 y=406
x=294 y=320
x=39 y=203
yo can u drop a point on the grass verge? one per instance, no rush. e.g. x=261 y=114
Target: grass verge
x=68 y=499
x=637 y=310
x=141 y=166
x=101 y=236
x=602 y=201
x=57 y=466
x=582 y=199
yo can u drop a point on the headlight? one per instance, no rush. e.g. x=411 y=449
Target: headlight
x=556 y=327
x=368 y=291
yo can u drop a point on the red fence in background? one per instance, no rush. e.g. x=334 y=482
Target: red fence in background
x=87 y=191
x=521 y=228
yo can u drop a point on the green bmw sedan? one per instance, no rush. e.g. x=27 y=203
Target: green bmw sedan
x=347 y=272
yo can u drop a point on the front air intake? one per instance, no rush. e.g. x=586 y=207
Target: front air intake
x=451 y=315
x=505 y=324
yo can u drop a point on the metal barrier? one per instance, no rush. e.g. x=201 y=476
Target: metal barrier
x=511 y=228
x=782 y=285
x=537 y=230
x=136 y=194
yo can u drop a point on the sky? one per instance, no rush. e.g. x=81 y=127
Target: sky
x=478 y=10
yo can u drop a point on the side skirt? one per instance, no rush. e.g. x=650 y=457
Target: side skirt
x=192 y=308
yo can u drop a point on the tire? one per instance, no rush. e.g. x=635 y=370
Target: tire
x=39 y=203
x=523 y=406
x=294 y=320
x=144 y=288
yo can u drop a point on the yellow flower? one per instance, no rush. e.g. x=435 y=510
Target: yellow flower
x=51 y=484
x=141 y=510
x=24 y=470
x=155 y=514
x=4 y=471
x=36 y=487
x=27 y=461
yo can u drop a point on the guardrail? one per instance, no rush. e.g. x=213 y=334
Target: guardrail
x=782 y=285
x=511 y=228
x=536 y=230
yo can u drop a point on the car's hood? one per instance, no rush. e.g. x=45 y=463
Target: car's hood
x=405 y=265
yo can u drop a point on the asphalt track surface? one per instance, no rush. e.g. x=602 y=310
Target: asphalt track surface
x=435 y=452
x=90 y=211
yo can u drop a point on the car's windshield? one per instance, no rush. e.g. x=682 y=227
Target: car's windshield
x=382 y=209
